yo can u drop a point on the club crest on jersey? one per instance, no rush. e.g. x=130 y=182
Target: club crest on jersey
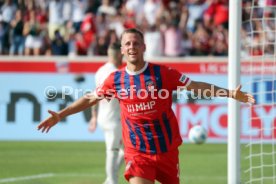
x=150 y=85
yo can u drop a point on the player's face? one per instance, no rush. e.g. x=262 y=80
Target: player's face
x=133 y=48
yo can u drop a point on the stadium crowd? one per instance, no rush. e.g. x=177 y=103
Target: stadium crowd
x=172 y=28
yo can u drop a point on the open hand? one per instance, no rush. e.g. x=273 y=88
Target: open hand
x=48 y=123
x=243 y=96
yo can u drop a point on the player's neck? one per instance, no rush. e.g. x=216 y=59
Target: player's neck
x=136 y=70
x=135 y=67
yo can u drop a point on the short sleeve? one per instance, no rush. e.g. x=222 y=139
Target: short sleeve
x=175 y=79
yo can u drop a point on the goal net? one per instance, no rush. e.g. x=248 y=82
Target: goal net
x=259 y=67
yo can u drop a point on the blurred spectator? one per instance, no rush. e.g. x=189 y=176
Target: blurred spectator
x=46 y=46
x=80 y=45
x=130 y=21
x=270 y=2
x=88 y=30
x=154 y=42
x=56 y=18
x=86 y=27
x=70 y=38
x=184 y=18
x=217 y=14
x=7 y=10
x=58 y=45
x=200 y=40
x=27 y=7
x=67 y=11
x=79 y=8
x=219 y=41
x=152 y=11
x=112 y=37
x=34 y=41
x=172 y=40
x=270 y=37
x=41 y=16
x=2 y=31
x=116 y=23
x=102 y=23
x=196 y=9
x=107 y=8
x=220 y=49
x=17 y=37
x=101 y=45
x=256 y=45
x=92 y=6
x=136 y=9
x=246 y=11
x=41 y=4
x=103 y=41
x=186 y=44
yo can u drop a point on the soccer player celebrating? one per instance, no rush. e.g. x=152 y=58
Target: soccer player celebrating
x=150 y=130
x=107 y=114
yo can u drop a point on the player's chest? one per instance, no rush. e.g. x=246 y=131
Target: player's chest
x=139 y=87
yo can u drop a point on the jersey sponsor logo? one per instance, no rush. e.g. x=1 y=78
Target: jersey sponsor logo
x=143 y=106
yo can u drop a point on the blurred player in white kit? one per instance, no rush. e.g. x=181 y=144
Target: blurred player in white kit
x=107 y=114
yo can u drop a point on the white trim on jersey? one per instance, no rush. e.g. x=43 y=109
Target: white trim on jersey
x=138 y=72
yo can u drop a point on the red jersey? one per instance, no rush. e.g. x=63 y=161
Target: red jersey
x=148 y=121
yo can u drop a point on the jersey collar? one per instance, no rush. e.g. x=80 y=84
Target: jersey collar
x=139 y=71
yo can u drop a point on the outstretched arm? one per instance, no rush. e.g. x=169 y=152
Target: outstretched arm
x=79 y=105
x=211 y=90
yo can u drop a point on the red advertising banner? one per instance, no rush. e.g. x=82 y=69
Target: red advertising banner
x=257 y=122
x=195 y=67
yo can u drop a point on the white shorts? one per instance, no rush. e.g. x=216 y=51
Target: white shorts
x=113 y=138
x=33 y=42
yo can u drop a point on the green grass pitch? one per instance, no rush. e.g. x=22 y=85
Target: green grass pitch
x=83 y=163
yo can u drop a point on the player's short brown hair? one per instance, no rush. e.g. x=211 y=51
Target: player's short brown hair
x=133 y=30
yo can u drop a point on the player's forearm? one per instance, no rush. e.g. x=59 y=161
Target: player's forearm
x=78 y=106
x=222 y=92
x=209 y=90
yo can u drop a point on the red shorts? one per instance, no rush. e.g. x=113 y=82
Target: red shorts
x=162 y=167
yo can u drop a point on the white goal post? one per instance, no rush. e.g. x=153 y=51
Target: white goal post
x=233 y=81
x=252 y=40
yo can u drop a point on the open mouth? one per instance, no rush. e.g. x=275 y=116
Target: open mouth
x=132 y=53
